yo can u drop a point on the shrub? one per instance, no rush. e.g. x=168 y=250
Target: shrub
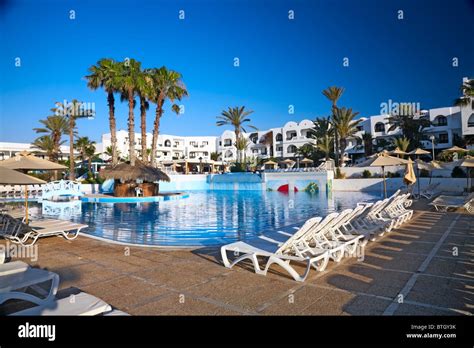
x=393 y=175
x=238 y=168
x=458 y=173
x=366 y=174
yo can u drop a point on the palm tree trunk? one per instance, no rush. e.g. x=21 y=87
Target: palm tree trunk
x=113 y=126
x=156 y=130
x=131 y=128
x=143 y=128
x=72 y=175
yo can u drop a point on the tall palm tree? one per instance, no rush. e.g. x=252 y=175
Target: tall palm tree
x=411 y=125
x=105 y=75
x=368 y=141
x=236 y=117
x=143 y=90
x=333 y=94
x=55 y=127
x=72 y=111
x=467 y=90
x=323 y=132
x=345 y=125
x=241 y=144
x=129 y=74
x=164 y=85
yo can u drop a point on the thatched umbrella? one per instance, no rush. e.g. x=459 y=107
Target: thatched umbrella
x=12 y=177
x=288 y=162
x=455 y=149
x=397 y=152
x=307 y=161
x=139 y=172
x=27 y=161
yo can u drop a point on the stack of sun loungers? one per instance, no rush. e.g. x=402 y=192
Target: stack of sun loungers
x=20 y=282
x=18 y=192
x=320 y=240
x=14 y=228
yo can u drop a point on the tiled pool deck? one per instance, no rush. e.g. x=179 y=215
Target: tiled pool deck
x=429 y=261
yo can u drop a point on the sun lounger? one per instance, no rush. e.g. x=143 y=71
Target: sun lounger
x=18 y=232
x=279 y=248
x=80 y=304
x=13 y=267
x=446 y=203
x=16 y=280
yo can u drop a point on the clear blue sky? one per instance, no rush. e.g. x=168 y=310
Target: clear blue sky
x=283 y=62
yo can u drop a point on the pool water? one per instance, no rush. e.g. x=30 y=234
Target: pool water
x=209 y=217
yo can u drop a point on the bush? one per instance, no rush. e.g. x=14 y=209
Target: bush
x=366 y=174
x=458 y=173
x=238 y=168
x=393 y=175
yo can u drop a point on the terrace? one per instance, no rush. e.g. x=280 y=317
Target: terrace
x=428 y=260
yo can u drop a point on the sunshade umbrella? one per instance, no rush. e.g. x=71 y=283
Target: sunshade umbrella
x=306 y=161
x=430 y=166
x=288 y=162
x=397 y=152
x=468 y=162
x=417 y=152
x=270 y=163
x=27 y=161
x=455 y=149
x=410 y=177
x=12 y=177
x=383 y=160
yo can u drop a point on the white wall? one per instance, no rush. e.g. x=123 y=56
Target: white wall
x=374 y=185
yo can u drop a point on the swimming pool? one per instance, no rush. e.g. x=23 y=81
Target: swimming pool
x=209 y=217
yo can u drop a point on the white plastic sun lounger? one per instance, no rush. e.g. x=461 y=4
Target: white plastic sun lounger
x=16 y=280
x=279 y=248
x=80 y=304
x=446 y=203
x=13 y=267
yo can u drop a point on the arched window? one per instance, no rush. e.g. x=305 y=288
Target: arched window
x=440 y=121
x=228 y=154
x=291 y=149
x=167 y=143
x=279 y=137
x=470 y=121
x=379 y=127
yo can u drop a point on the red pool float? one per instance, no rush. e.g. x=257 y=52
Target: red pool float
x=285 y=188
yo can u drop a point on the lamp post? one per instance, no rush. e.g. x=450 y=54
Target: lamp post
x=200 y=165
x=432 y=138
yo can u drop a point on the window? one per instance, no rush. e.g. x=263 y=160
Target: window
x=443 y=138
x=167 y=143
x=205 y=143
x=291 y=149
x=254 y=151
x=470 y=121
x=279 y=148
x=279 y=137
x=228 y=142
x=379 y=127
x=290 y=135
x=360 y=128
x=440 y=121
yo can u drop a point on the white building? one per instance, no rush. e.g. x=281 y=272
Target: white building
x=9 y=149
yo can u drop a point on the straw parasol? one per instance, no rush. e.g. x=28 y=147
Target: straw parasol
x=418 y=152
x=455 y=149
x=382 y=160
x=270 y=163
x=12 y=177
x=140 y=171
x=307 y=161
x=468 y=162
x=27 y=161
x=410 y=177
x=288 y=162
x=397 y=152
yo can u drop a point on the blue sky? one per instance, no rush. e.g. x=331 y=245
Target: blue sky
x=282 y=62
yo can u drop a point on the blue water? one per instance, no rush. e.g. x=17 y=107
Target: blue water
x=209 y=217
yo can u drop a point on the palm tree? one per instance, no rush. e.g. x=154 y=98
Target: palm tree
x=236 y=117
x=105 y=75
x=72 y=111
x=164 y=85
x=86 y=148
x=411 y=125
x=55 y=126
x=323 y=133
x=143 y=86
x=368 y=141
x=129 y=74
x=241 y=144
x=334 y=93
x=345 y=125
x=467 y=90
x=46 y=144
x=402 y=143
